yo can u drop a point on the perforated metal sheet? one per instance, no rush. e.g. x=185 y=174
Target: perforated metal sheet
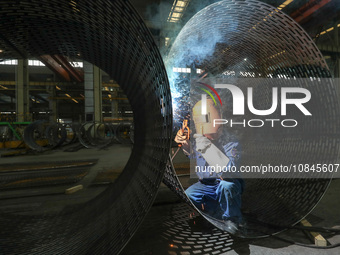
x=259 y=41
x=179 y=230
x=112 y=36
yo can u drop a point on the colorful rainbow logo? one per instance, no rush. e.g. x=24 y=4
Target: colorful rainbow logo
x=209 y=93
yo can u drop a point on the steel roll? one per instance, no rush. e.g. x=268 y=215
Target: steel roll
x=246 y=41
x=56 y=134
x=123 y=133
x=111 y=35
x=33 y=132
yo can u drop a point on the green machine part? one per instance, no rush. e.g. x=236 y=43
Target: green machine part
x=11 y=126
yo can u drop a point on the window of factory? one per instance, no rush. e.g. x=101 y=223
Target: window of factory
x=9 y=62
x=35 y=63
x=32 y=62
x=77 y=64
x=181 y=70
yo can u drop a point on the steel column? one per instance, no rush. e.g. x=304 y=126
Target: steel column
x=22 y=90
x=93 y=93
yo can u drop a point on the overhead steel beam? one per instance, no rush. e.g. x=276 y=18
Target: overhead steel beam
x=12 y=89
x=50 y=62
x=82 y=98
x=40 y=97
x=74 y=74
x=38 y=83
x=307 y=9
x=54 y=83
x=61 y=66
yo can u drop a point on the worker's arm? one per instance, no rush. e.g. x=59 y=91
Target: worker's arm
x=211 y=153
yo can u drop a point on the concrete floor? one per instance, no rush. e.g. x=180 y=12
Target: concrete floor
x=45 y=192
x=171 y=227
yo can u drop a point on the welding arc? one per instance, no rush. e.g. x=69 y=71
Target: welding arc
x=213 y=90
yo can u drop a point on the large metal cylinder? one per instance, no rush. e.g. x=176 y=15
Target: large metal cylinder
x=111 y=35
x=251 y=40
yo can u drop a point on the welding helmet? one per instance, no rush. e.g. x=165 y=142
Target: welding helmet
x=204 y=123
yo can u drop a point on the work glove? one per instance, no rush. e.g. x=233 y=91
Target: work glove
x=181 y=138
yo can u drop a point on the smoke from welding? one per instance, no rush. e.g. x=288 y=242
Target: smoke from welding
x=195 y=43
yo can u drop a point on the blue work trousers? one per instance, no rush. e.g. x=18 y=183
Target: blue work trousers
x=220 y=199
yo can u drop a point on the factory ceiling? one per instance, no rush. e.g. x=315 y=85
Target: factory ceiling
x=313 y=15
x=165 y=18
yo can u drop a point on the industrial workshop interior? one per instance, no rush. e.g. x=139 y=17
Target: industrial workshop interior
x=176 y=127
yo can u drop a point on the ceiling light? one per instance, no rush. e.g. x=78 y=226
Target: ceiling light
x=167 y=41
x=328 y=30
x=283 y=5
x=177 y=10
x=176 y=15
x=181 y=3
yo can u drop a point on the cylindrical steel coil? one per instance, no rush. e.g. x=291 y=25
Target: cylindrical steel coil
x=33 y=132
x=71 y=133
x=95 y=135
x=111 y=35
x=234 y=40
x=122 y=133
x=56 y=134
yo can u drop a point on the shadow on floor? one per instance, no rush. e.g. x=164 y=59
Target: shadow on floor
x=172 y=227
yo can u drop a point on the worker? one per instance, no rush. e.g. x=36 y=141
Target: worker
x=217 y=193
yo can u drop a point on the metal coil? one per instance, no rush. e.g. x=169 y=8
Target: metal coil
x=71 y=133
x=122 y=133
x=34 y=131
x=112 y=36
x=94 y=135
x=237 y=38
x=56 y=135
